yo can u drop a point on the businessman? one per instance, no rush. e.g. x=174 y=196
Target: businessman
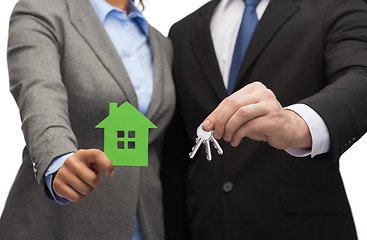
x=283 y=84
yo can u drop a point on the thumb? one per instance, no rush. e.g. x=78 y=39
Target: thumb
x=208 y=125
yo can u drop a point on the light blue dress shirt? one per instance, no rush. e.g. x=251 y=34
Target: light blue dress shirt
x=129 y=34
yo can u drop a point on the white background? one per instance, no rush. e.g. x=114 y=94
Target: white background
x=161 y=14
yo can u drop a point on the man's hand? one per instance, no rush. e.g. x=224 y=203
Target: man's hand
x=254 y=112
x=80 y=174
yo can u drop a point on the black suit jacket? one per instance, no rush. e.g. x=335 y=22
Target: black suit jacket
x=308 y=51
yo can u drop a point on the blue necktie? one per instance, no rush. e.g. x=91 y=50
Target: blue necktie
x=247 y=28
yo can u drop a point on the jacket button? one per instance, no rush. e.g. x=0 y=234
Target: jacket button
x=228 y=187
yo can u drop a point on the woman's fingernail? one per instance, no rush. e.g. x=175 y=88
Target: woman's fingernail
x=112 y=174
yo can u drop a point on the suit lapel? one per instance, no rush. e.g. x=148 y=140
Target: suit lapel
x=204 y=49
x=158 y=80
x=276 y=14
x=86 y=22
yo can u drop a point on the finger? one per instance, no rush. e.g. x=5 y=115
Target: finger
x=210 y=121
x=97 y=169
x=95 y=156
x=241 y=116
x=247 y=94
x=80 y=169
x=69 y=193
x=228 y=108
x=79 y=185
x=66 y=191
x=256 y=128
x=70 y=178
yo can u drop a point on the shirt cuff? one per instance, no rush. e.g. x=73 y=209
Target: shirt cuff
x=54 y=166
x=318 y=129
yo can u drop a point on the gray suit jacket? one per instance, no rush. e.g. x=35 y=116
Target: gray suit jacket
x=64 y=71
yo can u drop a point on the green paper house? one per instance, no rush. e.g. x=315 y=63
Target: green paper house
x=126 y=133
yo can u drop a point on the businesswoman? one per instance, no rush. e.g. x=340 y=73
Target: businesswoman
x=68 y=59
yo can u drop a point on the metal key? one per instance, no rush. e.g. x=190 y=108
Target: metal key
x=216 y=145
x=208 y=150
x=205 y=137
x=196 y=147
x=202 y=136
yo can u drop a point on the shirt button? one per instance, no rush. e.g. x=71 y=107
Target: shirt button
x=228 y=187
x=132 y=59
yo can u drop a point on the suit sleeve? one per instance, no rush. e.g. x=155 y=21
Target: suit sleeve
x=34 y=61
x=343 y=103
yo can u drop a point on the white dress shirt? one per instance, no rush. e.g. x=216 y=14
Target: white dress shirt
x=224 y=28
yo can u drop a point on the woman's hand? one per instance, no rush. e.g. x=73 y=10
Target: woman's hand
x=80 y=174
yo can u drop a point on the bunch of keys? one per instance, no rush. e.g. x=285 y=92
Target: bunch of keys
x=206 y=137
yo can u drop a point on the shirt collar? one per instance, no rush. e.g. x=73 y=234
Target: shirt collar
x=225 y=2
x=103 y=8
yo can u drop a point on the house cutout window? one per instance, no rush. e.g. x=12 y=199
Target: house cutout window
x=120 y=134
x=120 y=144
x=131 y=145
x=122 y=139
x=131 y=142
